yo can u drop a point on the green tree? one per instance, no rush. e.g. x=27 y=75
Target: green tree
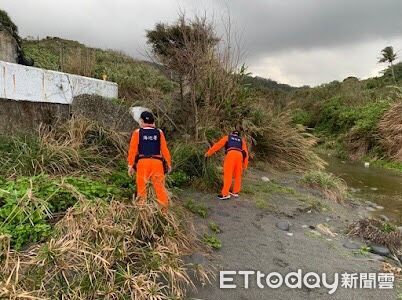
x=186 y=48
x=207 y=67
x=388 y=56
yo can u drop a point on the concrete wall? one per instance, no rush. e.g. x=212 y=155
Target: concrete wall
x=107 y=113
x=8 y=47
x=24 y=83
x=25 y=117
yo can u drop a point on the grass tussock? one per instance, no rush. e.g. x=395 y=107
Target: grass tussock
x=331 y=186
x=358 y=144
x=201 y=173
x=104 y=251
x=390 y=131
x=378 y=232
x=281 y=143
x=77 y=144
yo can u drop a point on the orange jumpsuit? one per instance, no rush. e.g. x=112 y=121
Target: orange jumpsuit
x=232 y=166
x=150 y=169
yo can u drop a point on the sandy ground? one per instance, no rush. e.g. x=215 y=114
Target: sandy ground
x=251 y=240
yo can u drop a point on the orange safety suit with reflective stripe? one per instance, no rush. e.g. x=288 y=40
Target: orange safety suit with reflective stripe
x=233 y=165
x=150 y=169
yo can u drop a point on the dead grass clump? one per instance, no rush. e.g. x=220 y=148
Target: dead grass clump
x=81 y=61
x=388 y=268
x=280 y=143
x=332 y=187
x=76 y=145
x=106 y=251
x=390 y=131
x=358 y=144
x=378 y=232
x=80 y=132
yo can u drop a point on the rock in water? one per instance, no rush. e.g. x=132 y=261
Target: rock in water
x=283 y=225
x=380 y=250
x=354 y=245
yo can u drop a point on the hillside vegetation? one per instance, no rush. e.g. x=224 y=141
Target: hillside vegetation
x=136 y=79
x=350 y=117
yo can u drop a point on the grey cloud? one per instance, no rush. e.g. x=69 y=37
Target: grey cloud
x=280 y=25
x=269 y=28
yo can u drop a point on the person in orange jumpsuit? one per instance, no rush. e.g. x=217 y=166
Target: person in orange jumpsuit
x=149 y=156
x=236 y=159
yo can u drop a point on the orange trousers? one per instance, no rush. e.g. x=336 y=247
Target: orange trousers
x=149 y=169
x=232 y=167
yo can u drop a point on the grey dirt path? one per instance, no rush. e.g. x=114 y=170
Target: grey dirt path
x=251 y=241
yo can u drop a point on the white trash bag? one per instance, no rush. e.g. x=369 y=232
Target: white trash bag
x=136 y=112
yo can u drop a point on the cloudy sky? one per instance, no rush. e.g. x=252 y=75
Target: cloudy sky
x=292 y=41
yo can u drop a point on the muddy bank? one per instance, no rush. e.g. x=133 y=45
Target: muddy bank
x=254 y=236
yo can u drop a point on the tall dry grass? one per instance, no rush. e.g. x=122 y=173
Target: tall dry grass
x=390 y=132
x=279 y=142
x=104 y=251
x=358 y=143
x=79 y=60
x=76 y=145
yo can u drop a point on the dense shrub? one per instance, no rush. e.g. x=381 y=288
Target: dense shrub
x=28 y=204
x=336 y=117
x=190 y=166
x=357 y=124
x=302 y=117
x=369 y=116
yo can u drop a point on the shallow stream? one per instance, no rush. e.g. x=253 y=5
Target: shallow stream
x=375 y=184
